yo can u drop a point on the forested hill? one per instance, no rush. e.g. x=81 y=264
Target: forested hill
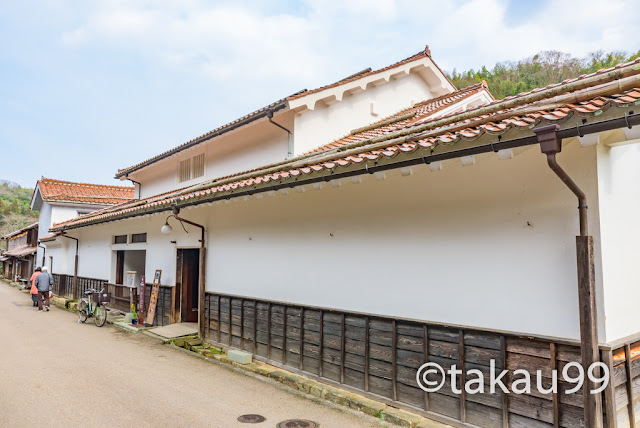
x=513 y=77
x=14 y=209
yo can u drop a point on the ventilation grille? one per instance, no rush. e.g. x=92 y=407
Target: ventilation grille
x=198 y=166
x=184 y=170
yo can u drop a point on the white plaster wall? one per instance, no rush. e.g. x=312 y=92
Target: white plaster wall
x=619 y=193
x=327 y=123
x=490 y=245
x=249 y=147
x=44 y=222
x=97 y=253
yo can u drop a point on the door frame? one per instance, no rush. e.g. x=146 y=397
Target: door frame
x=179 y=293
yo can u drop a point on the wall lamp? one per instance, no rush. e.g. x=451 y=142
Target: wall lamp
x=166 y=229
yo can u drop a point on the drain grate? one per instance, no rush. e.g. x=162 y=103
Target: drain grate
x=297 y=423
x=251 y=419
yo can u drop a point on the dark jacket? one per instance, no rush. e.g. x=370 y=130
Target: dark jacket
x=44 y=281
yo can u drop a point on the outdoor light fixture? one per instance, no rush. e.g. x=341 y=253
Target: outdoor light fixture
x=166 y=229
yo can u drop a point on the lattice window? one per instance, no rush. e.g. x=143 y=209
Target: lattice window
x=198 y=166
x=120 y=239
x=184 y=170
x=138 y=237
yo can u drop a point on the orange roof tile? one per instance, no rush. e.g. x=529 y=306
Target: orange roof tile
x=83 y=193
x=442 y=132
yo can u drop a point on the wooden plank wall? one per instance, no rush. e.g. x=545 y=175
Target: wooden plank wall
x=163 y=310
x=380 y=356
x=625 y=369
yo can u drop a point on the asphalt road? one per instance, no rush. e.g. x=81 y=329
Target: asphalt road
x=56 y=372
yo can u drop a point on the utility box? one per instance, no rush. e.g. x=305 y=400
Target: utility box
x=239 y=357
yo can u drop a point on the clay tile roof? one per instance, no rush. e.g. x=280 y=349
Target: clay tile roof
x=21 y=251
x=405 y=118
x=368 y=72
x=83 y=193
x=244 y=120
x=618 y=88
x=17 y=232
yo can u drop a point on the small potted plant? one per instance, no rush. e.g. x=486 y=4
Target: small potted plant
x=134 y=315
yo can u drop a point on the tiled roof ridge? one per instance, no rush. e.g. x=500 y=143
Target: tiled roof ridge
x=220 y=129
x=425 y=53
x=579 y=99
x=72 y=183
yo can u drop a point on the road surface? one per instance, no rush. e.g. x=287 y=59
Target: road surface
x=56 y=372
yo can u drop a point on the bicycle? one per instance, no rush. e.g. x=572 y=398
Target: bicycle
x=97 y=310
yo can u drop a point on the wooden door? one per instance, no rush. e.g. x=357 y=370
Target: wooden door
x=188 y=272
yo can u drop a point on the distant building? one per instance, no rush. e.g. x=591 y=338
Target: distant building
x=59 y=201
x=19 y=259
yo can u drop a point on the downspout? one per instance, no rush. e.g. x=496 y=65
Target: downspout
x=75 y=268
x=44 y=253
x=550 y=145
x=201 y=287
x=134 y=186
x=289 y=148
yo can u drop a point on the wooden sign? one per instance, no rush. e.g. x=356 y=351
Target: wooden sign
x=153 y=299
x=142 y=294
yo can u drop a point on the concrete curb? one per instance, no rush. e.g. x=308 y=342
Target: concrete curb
x=320 y=390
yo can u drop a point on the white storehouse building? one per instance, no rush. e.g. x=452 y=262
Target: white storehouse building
x=355 y=231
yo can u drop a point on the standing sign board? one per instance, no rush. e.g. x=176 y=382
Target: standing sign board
x=141 y=294
x=153 y=299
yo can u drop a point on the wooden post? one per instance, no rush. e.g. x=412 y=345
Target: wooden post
x=366 y=354
x=609 y=392
x=255 y=326
x=219 y=318
x=75 y=279
x=588 y=327
x=394 y=359
x=343 y=346
x=505 y=397
x=629 y=384
x=556 y=404
x=425 y=333
x=320 y=351
x=202 y=288
x=284 y=335
x=269 y=330
x=463 y=375
x=301 y=336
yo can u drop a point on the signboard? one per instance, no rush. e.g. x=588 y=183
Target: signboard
x=131 y=279
x=141 y=294
x=153 y=299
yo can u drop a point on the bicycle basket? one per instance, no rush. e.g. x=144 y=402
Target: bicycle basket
x=101 y=297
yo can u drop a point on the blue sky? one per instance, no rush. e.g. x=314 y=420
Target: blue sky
x=87 y=87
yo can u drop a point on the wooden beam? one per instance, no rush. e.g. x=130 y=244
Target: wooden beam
x=284 y=335
x=230 y=320
x=219 y=319
x=242 y=324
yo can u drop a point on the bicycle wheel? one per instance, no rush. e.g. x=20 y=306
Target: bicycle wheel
x=100 y=315
x=83 y=309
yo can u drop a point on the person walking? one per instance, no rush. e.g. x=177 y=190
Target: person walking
x=44 y=281
x=34 y=289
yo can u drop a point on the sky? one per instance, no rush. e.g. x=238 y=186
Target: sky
x=91 y=86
